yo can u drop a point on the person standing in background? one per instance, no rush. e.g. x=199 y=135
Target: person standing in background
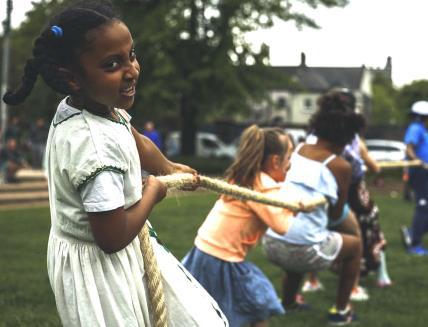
x=152 y=134
x=37 y=141
x=416 y=139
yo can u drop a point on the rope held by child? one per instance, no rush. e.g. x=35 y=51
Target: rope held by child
x=154 y=279
x=181 y=180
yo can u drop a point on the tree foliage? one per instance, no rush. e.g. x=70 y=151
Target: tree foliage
x=384 y=111
x=410 y=93
x=196 y=62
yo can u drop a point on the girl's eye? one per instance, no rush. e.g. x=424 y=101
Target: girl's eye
x=111 y=65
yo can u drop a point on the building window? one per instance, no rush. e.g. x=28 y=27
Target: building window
x=307 y=104
x=282 y=102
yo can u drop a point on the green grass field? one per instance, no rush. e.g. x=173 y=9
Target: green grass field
x=26 y=298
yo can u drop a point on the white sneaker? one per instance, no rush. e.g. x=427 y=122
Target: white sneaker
x=359 y=294
x=385 y=282
x=309 y=287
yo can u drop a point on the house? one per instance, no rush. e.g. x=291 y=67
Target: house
x=294 y=105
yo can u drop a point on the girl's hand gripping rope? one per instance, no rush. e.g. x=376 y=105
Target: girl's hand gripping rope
x=153 y=186
x=180 y=168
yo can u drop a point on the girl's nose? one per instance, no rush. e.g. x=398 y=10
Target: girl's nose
x=133 y=71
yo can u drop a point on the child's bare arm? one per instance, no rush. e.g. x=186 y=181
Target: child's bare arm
x=153 y=160
x=113 y=230
x=368 y=160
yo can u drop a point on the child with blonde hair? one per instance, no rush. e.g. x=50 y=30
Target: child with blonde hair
x=233 y=228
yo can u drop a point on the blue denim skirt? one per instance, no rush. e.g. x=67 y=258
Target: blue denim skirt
x=242 y=291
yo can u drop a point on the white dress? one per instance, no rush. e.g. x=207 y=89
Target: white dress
x=93 y=288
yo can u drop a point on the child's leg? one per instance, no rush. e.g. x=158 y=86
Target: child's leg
x=312 y=284
x=350 y=256
x=349 y=226
x=290 y=286
x=383 y=276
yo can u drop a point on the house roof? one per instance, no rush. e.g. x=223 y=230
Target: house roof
x=320 y=79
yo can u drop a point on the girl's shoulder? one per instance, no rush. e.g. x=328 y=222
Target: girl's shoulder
x=340 y=168
x=314 y=154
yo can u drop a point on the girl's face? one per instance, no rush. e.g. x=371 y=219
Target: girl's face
x=108 y=69
x=280 y=164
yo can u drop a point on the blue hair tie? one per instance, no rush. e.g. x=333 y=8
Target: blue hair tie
x=57 y=31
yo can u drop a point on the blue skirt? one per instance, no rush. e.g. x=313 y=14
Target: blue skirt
x=242 y=291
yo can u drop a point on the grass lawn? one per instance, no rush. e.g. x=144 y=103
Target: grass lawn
x=26 y=298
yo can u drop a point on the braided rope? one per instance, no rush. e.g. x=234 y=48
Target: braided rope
x=400 y=163
x=154 y=279
x=183 y=180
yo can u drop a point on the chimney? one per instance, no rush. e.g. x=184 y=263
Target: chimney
x=388 y=68
x=302 y=59
x=388 y=63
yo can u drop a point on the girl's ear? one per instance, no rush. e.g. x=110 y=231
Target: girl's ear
x=70 y=79
x=276 y=161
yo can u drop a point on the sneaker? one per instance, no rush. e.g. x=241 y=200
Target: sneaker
x=384 y=283
x=405 y=237
x=299 y=304
x=359 y=294
x=341 y=318
x=311 y=287
x=418 y=250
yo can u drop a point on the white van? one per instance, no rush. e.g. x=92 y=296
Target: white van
x=208 y=145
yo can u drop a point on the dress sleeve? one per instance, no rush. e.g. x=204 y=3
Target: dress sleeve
x=88 y=155
x=104 y=192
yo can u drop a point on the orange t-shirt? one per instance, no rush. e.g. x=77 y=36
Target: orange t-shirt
x=233 y=227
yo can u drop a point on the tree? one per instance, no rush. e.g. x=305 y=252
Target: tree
x=195 y=59
x=385 y=111
x=410 y=93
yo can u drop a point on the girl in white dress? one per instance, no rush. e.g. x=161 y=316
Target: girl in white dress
x=97 y=203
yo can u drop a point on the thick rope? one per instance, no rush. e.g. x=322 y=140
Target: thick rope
x=400 y=164
x=184 y=180
x=154 y=279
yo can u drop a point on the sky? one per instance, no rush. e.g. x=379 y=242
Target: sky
x=365 y=32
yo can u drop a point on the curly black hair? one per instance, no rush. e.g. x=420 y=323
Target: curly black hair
x=53 y=51
x=336 y=120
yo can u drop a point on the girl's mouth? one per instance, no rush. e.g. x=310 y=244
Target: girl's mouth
x=128 y=92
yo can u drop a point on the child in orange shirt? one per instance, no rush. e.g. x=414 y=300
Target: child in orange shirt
x=233 y=227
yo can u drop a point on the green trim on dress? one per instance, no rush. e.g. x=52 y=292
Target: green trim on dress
x=72 y=115
x=121 y=121
x=98 y=171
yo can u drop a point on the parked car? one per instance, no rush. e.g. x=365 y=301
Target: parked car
x=208 y=145
x=297 y=134
x=386 y=150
